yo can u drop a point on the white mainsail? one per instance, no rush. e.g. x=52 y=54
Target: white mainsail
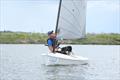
x=72 y=19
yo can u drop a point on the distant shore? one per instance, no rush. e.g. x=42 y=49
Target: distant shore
x=8 y=37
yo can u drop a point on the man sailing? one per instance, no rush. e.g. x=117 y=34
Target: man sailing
x=54 y=46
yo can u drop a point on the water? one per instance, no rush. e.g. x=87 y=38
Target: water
x=23 y=62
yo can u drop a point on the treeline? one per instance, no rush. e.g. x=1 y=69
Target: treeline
x=8 y=37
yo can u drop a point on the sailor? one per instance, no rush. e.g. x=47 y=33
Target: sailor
x=51 y=41
x=54 y=46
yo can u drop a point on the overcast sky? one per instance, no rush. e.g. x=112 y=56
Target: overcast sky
x=103 y=16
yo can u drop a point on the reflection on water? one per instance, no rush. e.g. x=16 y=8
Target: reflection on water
x=69 y=72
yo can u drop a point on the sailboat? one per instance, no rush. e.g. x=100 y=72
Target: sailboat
x=71 y=22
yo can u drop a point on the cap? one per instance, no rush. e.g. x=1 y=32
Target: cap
x=50 y=32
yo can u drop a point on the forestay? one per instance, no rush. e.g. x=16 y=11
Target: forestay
x=72 y=19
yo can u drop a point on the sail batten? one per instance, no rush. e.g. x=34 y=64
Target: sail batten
x=72 y=19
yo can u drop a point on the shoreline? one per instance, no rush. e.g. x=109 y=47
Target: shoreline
x=8 y=37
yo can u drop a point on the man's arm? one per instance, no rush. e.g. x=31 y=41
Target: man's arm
x=50 y=48
x=50 y=45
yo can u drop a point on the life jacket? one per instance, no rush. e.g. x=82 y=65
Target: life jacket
x=53 y=41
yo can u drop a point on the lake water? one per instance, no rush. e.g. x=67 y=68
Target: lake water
x=23 y=62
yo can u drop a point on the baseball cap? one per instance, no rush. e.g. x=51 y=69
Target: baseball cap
x=50 y=32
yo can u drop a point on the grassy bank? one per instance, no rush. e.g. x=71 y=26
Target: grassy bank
x=100 y=39
x=22 y=38
x=39 y=38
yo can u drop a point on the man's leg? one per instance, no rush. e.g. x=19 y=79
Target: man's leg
x=63 y=50
x=69 y=48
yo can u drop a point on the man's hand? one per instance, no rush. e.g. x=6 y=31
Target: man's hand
x=62 y=42
x=56 y=49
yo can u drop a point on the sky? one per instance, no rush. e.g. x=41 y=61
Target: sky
x=103 y=16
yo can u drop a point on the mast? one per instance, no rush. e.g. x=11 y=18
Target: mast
x=58 y=16
x=57 y=23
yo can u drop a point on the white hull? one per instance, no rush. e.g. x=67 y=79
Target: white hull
x=61 y=59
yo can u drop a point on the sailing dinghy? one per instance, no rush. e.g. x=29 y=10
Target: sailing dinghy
x=62 y=59
x=71 y=22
